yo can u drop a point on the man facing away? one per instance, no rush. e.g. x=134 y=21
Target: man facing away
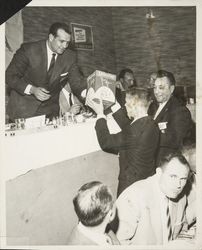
x=95 y=209
x=37 y=73
x=172 y=117
x=152 y=211
x=136 y=144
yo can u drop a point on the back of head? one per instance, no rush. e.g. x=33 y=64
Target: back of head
x=164 y=73
x=56 y=26
x=92 y=203
x=142 y=94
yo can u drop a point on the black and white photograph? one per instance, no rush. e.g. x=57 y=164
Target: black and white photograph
x=100 y=122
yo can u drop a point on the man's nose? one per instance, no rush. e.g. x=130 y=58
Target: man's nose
x=178 y=184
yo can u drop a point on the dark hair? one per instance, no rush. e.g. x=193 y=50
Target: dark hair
x=142 y=93
x=56 y=26
x=123 y=72
x=166 y=159
x=92 y=203
x=169 y=75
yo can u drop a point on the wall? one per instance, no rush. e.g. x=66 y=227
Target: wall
x=39 y=208
x=103 y=55
x=123 y=37
x=166 y=42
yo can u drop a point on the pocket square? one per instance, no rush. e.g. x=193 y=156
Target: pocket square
x=64 y=74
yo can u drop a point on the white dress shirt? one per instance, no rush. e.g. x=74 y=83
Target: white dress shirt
x=161 y=106
x=66 y=94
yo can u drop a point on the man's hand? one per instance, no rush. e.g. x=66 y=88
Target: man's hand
x=41 y=94
x=119 y=85
x=95 y=103
x=75 y=108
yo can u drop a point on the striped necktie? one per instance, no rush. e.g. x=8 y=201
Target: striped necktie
x=169 y=228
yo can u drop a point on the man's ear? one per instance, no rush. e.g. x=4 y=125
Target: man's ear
x=172 y=87
x=158 y=172
x=112 y=213
x=50 y=37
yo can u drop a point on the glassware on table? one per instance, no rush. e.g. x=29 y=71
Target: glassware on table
x=20 y=123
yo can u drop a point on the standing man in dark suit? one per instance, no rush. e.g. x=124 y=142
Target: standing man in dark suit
x=136 y=144
x=37 y=73
x=173 y=118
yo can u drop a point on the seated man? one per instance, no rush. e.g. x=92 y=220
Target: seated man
x=125 y=81
x=68 y=101
x=189 y=152
x=152 y=211
x=95 y=209
x=136 y=144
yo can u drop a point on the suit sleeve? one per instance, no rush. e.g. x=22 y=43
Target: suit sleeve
x=129 y=214
x=16 y=69
x=177 y=128
x=121 y=118
x=76 y=80
x=110 y=143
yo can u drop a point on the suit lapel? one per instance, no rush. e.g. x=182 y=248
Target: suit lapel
x=44 y=61
x=163 y=111
x=155 y=210
x=60 y=64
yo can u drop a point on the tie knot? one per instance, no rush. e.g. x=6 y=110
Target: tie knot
x=53 y=55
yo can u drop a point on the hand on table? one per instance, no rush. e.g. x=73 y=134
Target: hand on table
x=75 y=108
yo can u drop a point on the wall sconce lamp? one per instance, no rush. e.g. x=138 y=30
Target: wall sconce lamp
x=150 y=15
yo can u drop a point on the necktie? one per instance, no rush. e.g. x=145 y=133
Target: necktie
x=169 y=229
x=70 y=99
x=52 y=63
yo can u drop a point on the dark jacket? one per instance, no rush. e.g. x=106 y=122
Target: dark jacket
x=29 y=66
x=178 y=125
x=136 y=145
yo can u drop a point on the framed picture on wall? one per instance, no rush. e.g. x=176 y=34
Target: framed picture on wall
x=82 y=36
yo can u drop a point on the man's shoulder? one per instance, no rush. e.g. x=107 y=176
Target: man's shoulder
x=139 y=187
x=34 y=43
x=147 y=122
x=77 y=238
x=176 y=107
x=69 y=53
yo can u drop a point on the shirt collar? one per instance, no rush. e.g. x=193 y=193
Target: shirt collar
x=100 y=239
x=50 y=52
x=138 y=118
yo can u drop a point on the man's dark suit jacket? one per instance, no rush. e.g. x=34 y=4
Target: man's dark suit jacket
x=136 y=145
x=179 y=125
x=120 y=96
x=29 y=66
